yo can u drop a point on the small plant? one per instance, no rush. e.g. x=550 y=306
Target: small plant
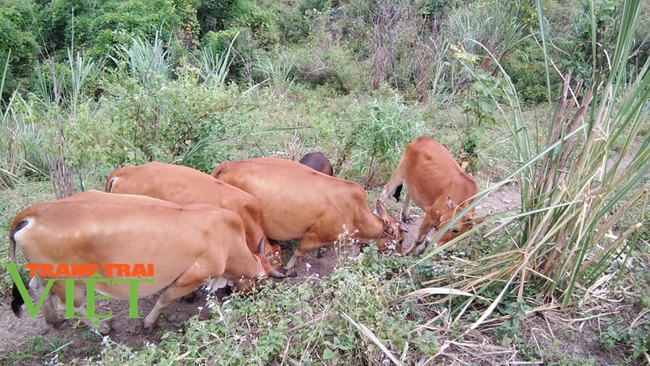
x=378 y=142
x=516 y=313
x=214 y=66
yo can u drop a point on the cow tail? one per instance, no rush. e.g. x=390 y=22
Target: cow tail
x=109 y=184
x=18 y=300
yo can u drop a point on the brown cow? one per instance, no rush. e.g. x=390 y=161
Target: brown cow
x=187 y=246
x=300 y=203
x=184 y=186
x=318 y=161
x=435 y=182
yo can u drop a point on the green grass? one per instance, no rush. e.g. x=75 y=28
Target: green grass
x=315 y=322
x=11 y=203
x=48 y=349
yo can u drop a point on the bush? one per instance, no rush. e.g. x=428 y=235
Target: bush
x=527 y=71
x=18 y=46
x=118 y=21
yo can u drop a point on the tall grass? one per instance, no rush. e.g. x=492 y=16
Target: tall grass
x=278 y=72
x=592 y=171
x=147 y=59
x=214 y=66
x=21 y=142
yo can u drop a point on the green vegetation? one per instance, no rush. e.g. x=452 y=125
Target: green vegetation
x=550 y=97
x=37 y=347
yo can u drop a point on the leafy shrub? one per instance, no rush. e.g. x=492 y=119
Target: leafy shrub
x=17 y=46
x=222 y=15
x=581 y=59
x=526 y=68
x=330 y=65
x=379 y=138
x=119 y=21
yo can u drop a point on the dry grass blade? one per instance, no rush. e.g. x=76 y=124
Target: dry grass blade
x=428 y=291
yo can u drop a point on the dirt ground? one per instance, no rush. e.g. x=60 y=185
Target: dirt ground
x=79 y=341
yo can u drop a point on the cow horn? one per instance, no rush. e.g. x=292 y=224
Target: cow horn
x=276 y=274
x=260 y=246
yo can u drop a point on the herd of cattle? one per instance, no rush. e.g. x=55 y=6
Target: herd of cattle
x=226 y=229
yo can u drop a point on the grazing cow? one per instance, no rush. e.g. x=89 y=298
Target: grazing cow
x=319 y=162
x=184 y=186
x=186 y=245
x=300 y=203
x=435 y=182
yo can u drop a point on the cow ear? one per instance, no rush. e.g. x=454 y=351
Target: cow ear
x=388 y=229
x=380 y=208
x=260 y=247
x=450 y=203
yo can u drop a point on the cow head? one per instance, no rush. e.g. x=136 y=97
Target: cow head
x=435 y=220
x=274 y=255
x=392 y=232
x=265 y=269
x=461 y=226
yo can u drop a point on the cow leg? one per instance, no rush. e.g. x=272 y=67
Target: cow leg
x=390 y=187
x=430 y=221
x=37 y=287
x=406 y=209
x=79 y=300
x=308 y=243
x=189 y=281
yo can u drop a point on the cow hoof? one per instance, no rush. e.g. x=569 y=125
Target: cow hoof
x=148 y=329
x=61 y=324
x=191 y=298
x=293 y=275
x=321 y=252
x=407 y=220
x=103 y=327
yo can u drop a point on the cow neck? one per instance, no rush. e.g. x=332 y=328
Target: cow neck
x=372 y=228
x=243 y=263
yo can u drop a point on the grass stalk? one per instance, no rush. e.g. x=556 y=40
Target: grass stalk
x=592 y=173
